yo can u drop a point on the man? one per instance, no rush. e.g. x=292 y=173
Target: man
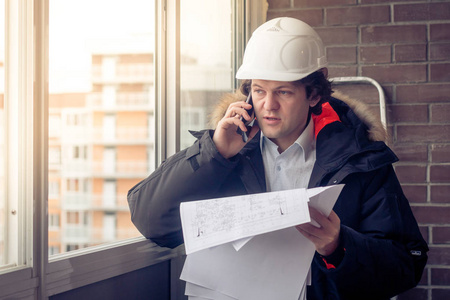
x=370 y=246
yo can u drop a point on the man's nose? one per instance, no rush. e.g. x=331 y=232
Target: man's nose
x=271 y=102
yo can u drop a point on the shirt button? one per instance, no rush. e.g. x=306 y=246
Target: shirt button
x=278 y=168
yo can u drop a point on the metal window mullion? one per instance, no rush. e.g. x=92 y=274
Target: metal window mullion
x=172 y=74
x=39 y=112
x=11 y=108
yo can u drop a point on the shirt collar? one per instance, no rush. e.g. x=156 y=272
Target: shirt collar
x=306 y=140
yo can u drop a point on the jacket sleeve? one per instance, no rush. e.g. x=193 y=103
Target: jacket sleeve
x=384 y=252
x=195 y=173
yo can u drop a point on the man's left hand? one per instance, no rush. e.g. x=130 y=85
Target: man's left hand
x=325 y=237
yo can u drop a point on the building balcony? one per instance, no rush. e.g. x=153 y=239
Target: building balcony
x=125 y=73
x=110 y=202
x=123 y=135
x=73 y=201
x=80 y=168
x=76 y=201
x=103 y=235
x=121 y=101
x=76 y=234
x=122 y=169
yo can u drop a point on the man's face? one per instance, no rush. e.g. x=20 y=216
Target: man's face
x=281 y=109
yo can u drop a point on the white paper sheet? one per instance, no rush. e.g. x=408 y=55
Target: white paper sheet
x=209 y=223
x=273 y=265
x=194 y=290
x=268 y=267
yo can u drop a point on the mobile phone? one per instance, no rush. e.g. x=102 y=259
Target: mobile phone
x=248 y=123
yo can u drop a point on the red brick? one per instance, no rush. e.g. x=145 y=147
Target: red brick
x=440 y=32
x=338 y=35
x=341 y=55
x=411 y=153
x=403 y=113
x=409 y=53
x=423 y=133
x=440 y=153
x=440 y=174
x=436 y=215
x=313 y=17
x=358 y=15
x=440 y=72
x=381 y=1
x=415 y=193
x=366 y=93
x=335 y=71
x=440 y=294
x=394 y=34
x=411 y=173
x=440 y=193
x=396 y=73
x=375 y=54
x=322 y=3
x=440 y=113
x=441 y=235
x=421 y=12
x=425 y=233
x=423 y=93
x=414 y=294
x=277 y=4
x=388 y=93
x=440 y=51
x=440 y=276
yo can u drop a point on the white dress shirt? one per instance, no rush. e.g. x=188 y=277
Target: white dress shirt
x=292 y=168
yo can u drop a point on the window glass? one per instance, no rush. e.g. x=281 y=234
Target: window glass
x=101 y=117
x=206 y=61
x=2 y=137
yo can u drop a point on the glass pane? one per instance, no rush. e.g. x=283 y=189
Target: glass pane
x=2 y=137
x=206 y=61
x=101 y=117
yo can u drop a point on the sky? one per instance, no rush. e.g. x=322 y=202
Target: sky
x=76 y=28
x=79 y=27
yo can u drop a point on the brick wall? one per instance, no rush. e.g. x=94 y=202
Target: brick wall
x=405 y=46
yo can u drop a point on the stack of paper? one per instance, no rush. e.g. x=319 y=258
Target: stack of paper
x=247 y=247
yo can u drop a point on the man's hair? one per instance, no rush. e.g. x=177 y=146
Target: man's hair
x=316 y=85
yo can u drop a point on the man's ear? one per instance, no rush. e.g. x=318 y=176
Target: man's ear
x=313 y=102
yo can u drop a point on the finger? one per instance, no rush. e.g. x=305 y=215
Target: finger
x=239 y=108
x=310 y=229
x=334 y=218
x=308 y=235
x=232 y=121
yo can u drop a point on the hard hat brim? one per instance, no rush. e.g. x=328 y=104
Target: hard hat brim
x=270 y=75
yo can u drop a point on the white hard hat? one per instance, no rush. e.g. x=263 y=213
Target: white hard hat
x=282 y=49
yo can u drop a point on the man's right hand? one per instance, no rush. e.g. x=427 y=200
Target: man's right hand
x=228 y=142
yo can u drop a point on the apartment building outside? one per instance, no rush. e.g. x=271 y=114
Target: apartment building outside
x=101 y=143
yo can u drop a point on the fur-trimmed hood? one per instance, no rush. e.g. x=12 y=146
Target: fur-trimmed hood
x=376 y=130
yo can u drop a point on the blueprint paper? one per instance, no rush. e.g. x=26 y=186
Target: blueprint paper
x=274 y=265
x=213 y=222
x=320 y=200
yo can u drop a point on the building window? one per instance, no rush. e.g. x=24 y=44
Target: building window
x=53 y=221
x=206 y=68
x=98 y=69
x=65 y=84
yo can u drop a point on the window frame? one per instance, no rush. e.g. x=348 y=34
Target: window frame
x=27 y=27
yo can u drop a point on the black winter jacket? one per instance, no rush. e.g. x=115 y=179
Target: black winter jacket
x=383 y=252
